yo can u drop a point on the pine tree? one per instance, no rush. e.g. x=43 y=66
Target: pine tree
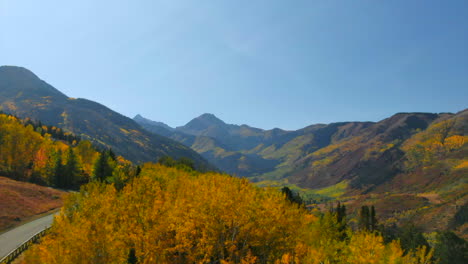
x=71 y=169
x=102 y=169
x=341 y=219
x=367 y=220
x=372 y=220
x=451 y=249
x=411 y=237
x=291 y=196
x=132 y=259
x=364 y=218
x=112 y=155
x=340 y=213
x=58 y=175
x=286 y=191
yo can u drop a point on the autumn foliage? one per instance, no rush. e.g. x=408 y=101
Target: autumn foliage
x=46 y=155
x=169 y=215
x=436 y=144
x=42 y=154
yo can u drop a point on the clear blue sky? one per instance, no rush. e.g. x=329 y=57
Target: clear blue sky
x=266 y=63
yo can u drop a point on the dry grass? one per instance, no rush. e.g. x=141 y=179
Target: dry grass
x=21 y=201
x=432 y=197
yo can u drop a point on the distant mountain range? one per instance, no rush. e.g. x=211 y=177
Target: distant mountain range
x=277 y=154
x=23 y=94
x=411 y=166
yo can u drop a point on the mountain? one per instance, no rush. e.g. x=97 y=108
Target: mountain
x=363 y=153
x=23 y=94
x=142 y=120
x=366 y=158
x=410 y=165
x=252 y=152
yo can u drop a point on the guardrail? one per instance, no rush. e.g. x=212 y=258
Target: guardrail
x=15 y=253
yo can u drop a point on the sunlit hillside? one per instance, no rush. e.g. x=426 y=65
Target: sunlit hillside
x=20 y=201
x=25 y=95
x=168 y=215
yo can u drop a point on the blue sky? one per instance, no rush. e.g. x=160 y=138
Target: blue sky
x=267 y=63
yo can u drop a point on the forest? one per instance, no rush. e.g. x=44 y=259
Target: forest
x=171 y=213
x=46 y=155
x=178 y=215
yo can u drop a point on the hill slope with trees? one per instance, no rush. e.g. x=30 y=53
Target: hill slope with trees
x=167 y=215
x=23 y=94
x=410 y=165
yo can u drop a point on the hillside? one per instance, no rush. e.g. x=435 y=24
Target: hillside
x=278 y=154
x=204 y=218
x=364 y=159
x=363 y=153
x=410 y=165
x=48 y=156
x=23 y=94
x=19 y=201
x=251 y=152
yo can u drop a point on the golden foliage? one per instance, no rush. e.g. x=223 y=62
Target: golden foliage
x=433 y=144
x=174 y=216
x=463 y=164
x=27 y=155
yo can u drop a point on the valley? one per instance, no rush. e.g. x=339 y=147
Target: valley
x=407 y=155
x=233 y=132
x=409 y=168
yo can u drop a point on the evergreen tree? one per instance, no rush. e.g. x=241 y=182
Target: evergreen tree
x=341 y=219
x=186 y=162
x=71 y=169
x=102 y=169
x=364 y=218
x=367 y=220
x=450 y=249
x=286 y=191
x=411 y=237
x=50 y=169
x=58 y=177
x=112 y=155
x=340 y=213
x=167 y=161
x=291 y=196
x=132 y=259
x=372 y=220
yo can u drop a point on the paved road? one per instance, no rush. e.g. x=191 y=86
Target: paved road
x=12 y=239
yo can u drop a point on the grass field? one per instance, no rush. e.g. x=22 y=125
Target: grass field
x=21 y=202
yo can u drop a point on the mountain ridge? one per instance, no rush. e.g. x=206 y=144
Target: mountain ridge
x=288 y=151
x=409 y=165
x=22 y=93
x=414 y=163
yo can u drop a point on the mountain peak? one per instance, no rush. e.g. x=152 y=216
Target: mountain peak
x=207 y=120
x=18 y=80
x=142 y=120
x=202 y=123
x=138 y=116
x=209 y=117
x=17 y=71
